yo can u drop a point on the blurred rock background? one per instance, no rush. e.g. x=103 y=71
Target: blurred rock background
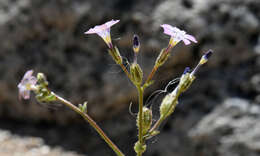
x=218 y=116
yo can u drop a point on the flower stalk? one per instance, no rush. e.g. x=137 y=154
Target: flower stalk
x=39 y=86
x=92 y=123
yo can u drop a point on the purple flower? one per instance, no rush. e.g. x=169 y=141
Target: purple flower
x=103 y=31
x=177 y=35
x=27 y=84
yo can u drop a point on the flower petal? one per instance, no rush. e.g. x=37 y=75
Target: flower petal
x=168 y=29
x=186 y=41
x=191 y=38
x=90 y=31
x=28 y=74
x=26 y=84
x=33 y=80
x=26 y=94
x=103 y=27
x=111 y=23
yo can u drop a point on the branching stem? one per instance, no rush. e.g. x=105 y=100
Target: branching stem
x=92 y=123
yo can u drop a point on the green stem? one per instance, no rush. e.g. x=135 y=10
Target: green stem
x=92 y=123
x=140 y=126
x=126 y=72
x=156 y=125
x=149 y=78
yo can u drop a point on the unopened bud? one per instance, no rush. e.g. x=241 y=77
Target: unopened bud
x=204 y=59
x=146 y=119
x=83 y=107
x=43 y=94
x=186 y=70
x=136 y=73
x=186 y=80
x=114 y=52
x=168 y=105
x=162 y=58
x=41 y=79
x=136 y=44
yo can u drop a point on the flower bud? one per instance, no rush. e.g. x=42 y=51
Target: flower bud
x=83 y=107
x=146 y=119
x=43 y=94
x=161 y=59
x=168 y=105
x=41 y=79
x=204 y=59
x=136 y=44
x=114 y=52
x=136 y=73
x=186 y=80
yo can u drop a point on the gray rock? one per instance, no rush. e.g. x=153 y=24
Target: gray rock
x=231 y=129
x=28 y=146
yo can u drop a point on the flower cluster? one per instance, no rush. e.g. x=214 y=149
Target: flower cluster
x=144 y=121
x=176 y=34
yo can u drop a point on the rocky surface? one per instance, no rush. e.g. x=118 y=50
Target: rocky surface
x=231 y=129
x=14 y=145
x=47 y=36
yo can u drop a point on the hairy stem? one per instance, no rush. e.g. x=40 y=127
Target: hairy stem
x=149 y=78
x=92 y=123
x=140 y=122
x=156 y=125
x=126 y=71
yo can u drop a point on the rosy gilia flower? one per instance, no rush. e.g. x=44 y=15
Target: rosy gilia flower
x=103 y=31
x=177 y=35
x=27 y=84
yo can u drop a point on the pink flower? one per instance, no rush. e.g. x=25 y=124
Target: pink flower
x=177 y=35
x=103 y=31
x=27 y=84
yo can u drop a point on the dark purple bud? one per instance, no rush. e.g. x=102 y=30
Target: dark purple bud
x=208 y=54
x=136 y=44
x=136 y=41
x=186 y=70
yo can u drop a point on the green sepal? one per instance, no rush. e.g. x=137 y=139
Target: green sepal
x=45 y=97
x=43 y=94
x=168 y=105
x=186 y=81
x=136 y=73
x=115 y=54
x=147 y=119
x=162 y=58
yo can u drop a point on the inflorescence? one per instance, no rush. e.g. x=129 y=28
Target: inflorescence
x=146 y=127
